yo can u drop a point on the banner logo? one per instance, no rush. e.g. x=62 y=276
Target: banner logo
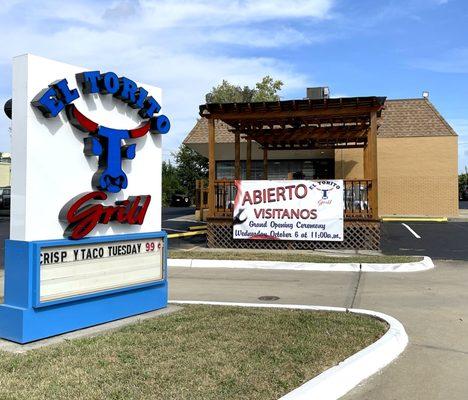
x=325 y=187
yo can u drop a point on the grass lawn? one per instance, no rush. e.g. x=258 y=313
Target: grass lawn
x=288 y=256
x=200 y=352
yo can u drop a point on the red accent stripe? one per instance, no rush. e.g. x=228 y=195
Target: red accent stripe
x=84 y=122
x=140 y=131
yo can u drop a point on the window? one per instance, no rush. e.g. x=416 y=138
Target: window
x=279 y=169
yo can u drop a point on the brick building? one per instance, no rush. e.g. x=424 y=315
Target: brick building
x=416 y=158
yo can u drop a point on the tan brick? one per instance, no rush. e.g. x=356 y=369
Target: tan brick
x=417 y=175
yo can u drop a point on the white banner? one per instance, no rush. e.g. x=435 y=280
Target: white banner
x=289 y=210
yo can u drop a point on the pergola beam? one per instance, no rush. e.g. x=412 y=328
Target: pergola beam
x=286 y=126
x=348 y=112
x=333 y=107
x=307 y=130
x=317 y=146
x=265 y=141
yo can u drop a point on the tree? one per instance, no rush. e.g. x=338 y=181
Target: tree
x=228 y=93
x=265 y=90
x=463 y=182
x=170 y=182
x=190 y=167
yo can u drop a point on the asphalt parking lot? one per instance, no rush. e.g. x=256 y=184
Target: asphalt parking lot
x=438 y=240
x=178 y=220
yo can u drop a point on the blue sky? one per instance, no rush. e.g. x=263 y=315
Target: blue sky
x=360 y=47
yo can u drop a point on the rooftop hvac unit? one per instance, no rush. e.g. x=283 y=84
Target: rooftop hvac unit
x=317 y=93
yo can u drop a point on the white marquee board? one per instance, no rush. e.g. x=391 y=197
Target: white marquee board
x=84 y=269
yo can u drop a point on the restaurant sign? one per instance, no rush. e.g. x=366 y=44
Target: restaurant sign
x=86 y=244
x=289 y=210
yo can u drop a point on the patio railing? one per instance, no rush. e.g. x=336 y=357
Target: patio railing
x=356 y=197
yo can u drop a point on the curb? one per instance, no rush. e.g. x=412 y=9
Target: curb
x=416 y=266
x=458 y=219
x=414 y=219
x=340 y=379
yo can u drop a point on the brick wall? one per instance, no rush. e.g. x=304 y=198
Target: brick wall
x=349 y=164
x=417 y=175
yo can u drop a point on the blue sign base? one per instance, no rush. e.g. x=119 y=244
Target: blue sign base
x=23 y=318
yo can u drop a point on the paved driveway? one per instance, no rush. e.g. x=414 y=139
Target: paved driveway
x=432 y=305
x=178 y=218
x=446 y=240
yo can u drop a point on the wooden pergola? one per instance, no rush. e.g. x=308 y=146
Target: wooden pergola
x=337 y=123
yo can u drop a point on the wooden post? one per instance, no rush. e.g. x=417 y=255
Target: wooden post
x=365 y=157
x=365 y=162
x=248 y=166
x=237 y=165
x=265 y=163
x=201 y=183
x=371 y=165
x=212 y=166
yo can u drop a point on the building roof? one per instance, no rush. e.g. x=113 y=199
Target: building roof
x=199 y=133
x=412 y=117
x=399 y=118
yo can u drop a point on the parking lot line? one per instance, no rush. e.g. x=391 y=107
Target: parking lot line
x=411 y=230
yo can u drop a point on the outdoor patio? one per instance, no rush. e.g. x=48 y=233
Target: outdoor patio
x=337 y=123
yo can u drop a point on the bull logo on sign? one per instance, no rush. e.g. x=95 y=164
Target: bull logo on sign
x=106 y=143
x=325 y=193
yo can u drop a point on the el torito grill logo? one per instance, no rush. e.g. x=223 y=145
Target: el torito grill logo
x=325 y=187
x=84 y=212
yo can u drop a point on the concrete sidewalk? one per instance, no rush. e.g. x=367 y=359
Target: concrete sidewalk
x=432 y=305
x=462 y=216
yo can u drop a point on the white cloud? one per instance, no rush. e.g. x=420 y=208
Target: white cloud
x=180 y=46
x=449 y=61
x=280 y=37
x=223 y=12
